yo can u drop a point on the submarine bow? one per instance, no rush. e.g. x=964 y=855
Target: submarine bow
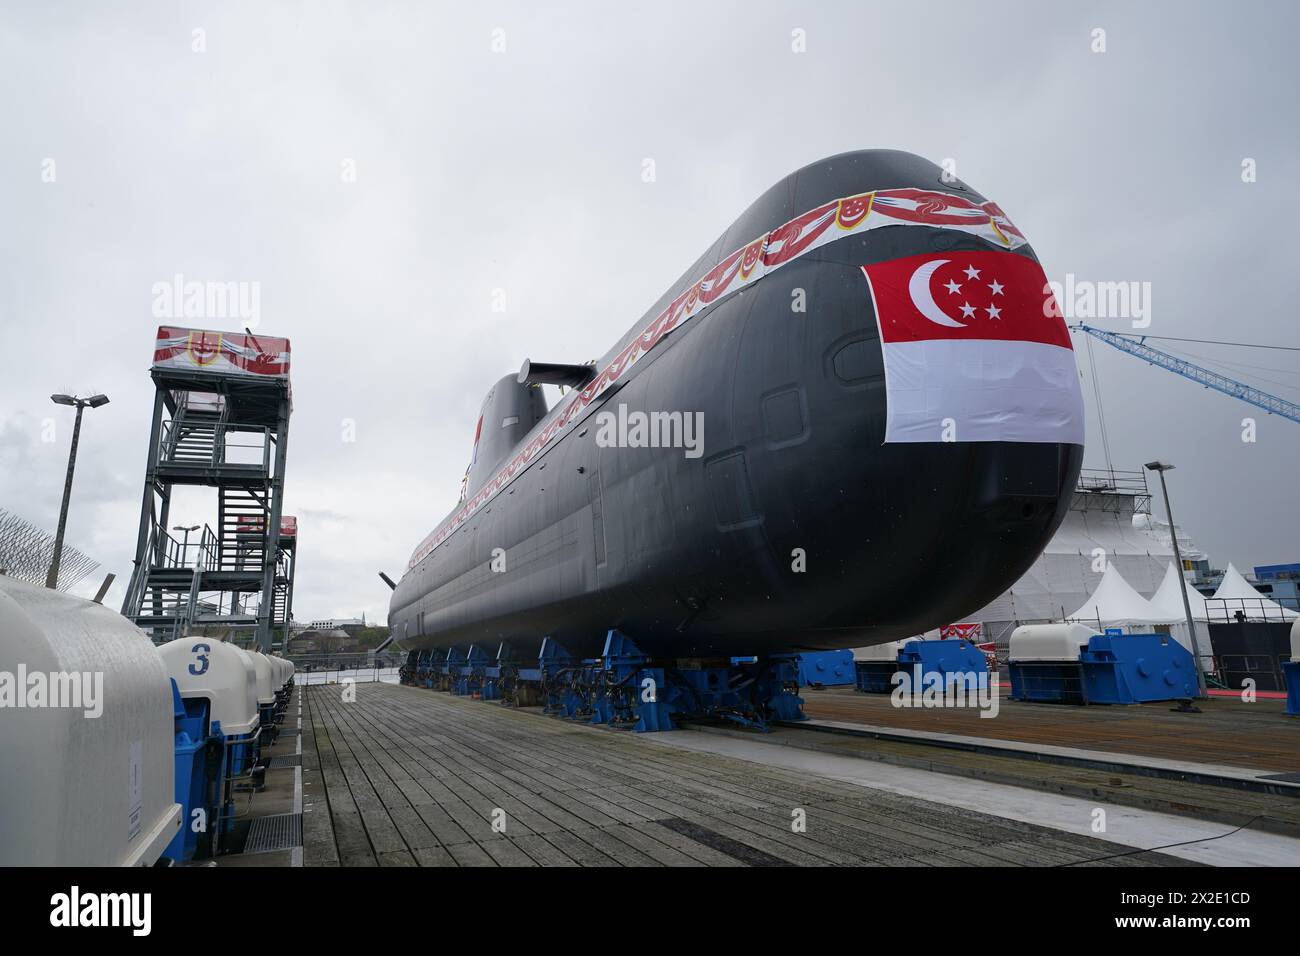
x=855 y=418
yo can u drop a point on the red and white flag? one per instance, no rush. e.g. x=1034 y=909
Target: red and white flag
x=975 y=350
x=961 y=632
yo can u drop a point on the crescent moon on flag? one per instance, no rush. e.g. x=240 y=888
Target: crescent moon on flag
x=919 y=289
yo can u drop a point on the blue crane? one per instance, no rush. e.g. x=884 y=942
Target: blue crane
x=1220 y=383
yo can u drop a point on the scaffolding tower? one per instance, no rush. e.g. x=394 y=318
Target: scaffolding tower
x=220 y=421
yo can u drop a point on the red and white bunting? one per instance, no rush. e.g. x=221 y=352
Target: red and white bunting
x=817 y=227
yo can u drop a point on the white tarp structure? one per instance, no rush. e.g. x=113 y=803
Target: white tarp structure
x=1115 y=603
x=1160 y=530
x=1098 y=530
x=1235 y=594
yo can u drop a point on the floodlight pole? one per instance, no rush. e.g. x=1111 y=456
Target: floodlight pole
x=52 y=579
x=1160 y=467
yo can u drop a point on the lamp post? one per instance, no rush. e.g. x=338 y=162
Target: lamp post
x=52 y=579
x=1160 y=467
x=185 y=546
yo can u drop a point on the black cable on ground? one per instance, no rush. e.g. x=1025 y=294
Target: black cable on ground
x=1167 y=846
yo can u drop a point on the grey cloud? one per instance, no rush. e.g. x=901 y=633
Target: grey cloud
x=521 y=171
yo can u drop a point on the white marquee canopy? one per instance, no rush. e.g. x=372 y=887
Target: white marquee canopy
x=1167 y=600
x=1115 y=603
x=1237 y=594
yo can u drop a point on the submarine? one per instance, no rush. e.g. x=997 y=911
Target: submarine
x=856 y=417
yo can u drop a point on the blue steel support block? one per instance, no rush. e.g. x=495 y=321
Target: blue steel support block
x=407 y=673
x=941 y=663
x=826 y=668
x=936 y=660
x=614 y=676
x=1133 y=668
x=654 y=710
x=1291 y=671
x=553 y=665
x=741 y=691
x=629 y=690
x=580 y=698
x=510 y=682
x=496 y=673
x=435 y=669
x=199 y=782
x=955 y=657
x=874 y=677
x=189 y=784
x=780 y=688
x=450 y=672
x=1052 y=682
x=601 y=708
x=625 y=688
x=472 y=672
x=423 y=666
x=727 y=693
x=575 y=704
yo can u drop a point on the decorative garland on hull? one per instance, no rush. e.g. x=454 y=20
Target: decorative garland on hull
x=748 y=264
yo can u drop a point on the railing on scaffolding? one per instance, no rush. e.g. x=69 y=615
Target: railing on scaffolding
x=360 y=668
x=1251 y=610
x=232 y=445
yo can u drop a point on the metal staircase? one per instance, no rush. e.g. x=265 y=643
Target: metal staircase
x=286 y=562
x=241 y=529
x=192 y=437
x=221 y=421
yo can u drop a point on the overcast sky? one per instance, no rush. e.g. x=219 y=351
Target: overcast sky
x=521 y=170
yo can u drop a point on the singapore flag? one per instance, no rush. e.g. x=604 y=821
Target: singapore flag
x=974 y=350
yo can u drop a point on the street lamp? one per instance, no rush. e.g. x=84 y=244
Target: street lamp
x=185 y=547
x=1160 y=467
x=52 y=579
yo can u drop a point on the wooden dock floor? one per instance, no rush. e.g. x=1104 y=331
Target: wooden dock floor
x=410 y=777
x=1258 y=736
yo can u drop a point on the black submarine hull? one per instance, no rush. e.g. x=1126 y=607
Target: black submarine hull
x=797 y=526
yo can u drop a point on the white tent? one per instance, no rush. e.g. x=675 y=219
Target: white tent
x=1116 y=604
x=1236 y=594
x=1167 y=602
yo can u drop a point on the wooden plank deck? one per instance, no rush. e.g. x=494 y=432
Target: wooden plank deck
x=409 y=777
x=1272 y=813
x=1258 y=736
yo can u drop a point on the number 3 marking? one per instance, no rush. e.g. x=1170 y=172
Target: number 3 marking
x=202 y=659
